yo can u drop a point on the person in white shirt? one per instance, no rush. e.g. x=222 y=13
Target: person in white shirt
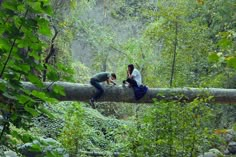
x=134 y=80
x=134 y=77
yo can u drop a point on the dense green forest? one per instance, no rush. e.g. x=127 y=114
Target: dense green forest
x=173 y=43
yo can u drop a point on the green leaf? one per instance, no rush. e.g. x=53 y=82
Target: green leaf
x=73 y=4
x=224 y=43
x=23 y=99
x=38 y=94
x=21 y=68
x=34 y=54
x=15 y=134
x=10 y=5
x=35 y=80
x=18 y=21
x=14 y=117
x=213 y=58
x=45 y=1
x=46 y=112
x=43 y=96
x=234 y=127
x=4 y=44
x=44 y=27
x=36 y=148
x=26 y=138
x=52 y=75
x=21 y=8
x=25 y=67
x=23 y=43
x=2 y=85
x=51 y=154
x=231 y=62
x=36 y=6
x=47 y=9
x=32 y=111
x=7 y=95
x=58 y=89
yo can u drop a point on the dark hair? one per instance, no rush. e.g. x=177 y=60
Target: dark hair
x=131 y=66
x=113 y=75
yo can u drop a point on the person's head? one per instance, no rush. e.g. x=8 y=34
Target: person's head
x=131 y=68
x=113 y=76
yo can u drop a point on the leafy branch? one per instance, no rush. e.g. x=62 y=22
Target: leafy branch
x=11 y=49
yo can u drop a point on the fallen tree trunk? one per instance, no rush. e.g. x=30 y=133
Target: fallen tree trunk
x=96 y=154
x=83 y=92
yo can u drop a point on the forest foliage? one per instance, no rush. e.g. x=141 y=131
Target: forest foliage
x=173 y=43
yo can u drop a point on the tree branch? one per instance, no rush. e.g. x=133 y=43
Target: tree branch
x=50 y=54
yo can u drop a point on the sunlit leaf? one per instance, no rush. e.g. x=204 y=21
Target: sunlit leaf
x=224 y=43
x=35 y=80
x=213 y=58
x=23 y=99
x=231 y=62
x=21 y=8
x=39 y=94
x=44 y=27
x=36 y=6
x=36 y=148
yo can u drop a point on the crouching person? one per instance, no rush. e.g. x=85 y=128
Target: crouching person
x=96 y=81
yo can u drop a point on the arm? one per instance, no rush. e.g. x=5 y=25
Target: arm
x=110 y=81
x=134 y=74
x=129 y=75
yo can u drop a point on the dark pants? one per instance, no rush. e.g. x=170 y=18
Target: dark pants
x=99 y=88
x=139 y=91
x=132 y=82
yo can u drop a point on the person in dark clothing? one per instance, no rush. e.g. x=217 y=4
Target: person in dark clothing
x=95 y=82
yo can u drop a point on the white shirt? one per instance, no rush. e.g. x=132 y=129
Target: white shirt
x=137 y=76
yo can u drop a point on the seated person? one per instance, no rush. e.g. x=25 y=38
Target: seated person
x=134 y=80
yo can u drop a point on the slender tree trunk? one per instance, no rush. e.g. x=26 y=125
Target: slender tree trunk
x=175 y=52
x=171 y=84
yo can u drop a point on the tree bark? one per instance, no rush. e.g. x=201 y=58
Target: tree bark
x=83 y=92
